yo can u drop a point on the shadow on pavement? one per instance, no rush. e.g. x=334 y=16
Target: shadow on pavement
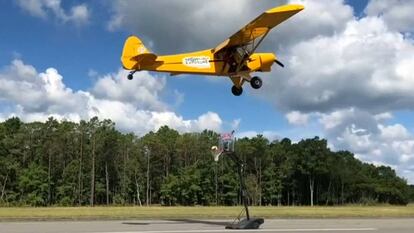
x=181 y=221
x=136 y=223
x=193 y=221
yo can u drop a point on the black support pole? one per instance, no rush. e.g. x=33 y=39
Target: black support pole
x=243 y=189
x=226 y=144
x=248 y=223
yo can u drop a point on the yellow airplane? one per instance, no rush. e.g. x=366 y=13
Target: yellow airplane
x=234 y=58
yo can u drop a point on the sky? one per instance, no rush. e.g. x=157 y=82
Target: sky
x=348 y=76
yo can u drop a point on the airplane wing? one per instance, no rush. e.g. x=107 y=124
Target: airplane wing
x=260 y=26
x=244 y=42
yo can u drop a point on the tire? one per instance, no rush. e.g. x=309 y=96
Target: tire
x=256 y=82
x=237 y=91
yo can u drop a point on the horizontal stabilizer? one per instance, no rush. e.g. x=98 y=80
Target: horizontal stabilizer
x=145 y=58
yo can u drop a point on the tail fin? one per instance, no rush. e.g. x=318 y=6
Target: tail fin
x=135 y=55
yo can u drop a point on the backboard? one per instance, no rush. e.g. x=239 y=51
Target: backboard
x=225 y=145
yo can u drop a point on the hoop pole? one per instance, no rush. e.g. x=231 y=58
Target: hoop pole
x=240 y=166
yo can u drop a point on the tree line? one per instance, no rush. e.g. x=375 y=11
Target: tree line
x=92 y=163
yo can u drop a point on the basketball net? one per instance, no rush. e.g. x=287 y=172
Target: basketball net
x=216 y=152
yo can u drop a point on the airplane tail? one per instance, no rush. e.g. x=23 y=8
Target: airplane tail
x=135 y=54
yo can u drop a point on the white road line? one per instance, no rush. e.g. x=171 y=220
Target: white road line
x=258 y=230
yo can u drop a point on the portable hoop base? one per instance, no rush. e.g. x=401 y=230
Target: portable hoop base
x=252 y=223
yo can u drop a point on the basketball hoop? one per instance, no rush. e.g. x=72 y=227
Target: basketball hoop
x=225 y=145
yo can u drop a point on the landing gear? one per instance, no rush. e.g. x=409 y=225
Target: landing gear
x=131 y=75
x=237 y=91
x=256 y=82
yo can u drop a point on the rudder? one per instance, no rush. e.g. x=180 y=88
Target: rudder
x=135 y=54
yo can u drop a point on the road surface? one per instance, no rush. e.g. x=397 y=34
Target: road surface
x=404 y=225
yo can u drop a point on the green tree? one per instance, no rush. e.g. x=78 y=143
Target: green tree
x=67 y=163
x=33 y=185
x=313 y=154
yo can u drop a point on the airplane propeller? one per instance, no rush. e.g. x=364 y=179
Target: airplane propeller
x=279 y=63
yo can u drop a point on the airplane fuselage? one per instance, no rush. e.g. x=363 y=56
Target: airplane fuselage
x=205 y=62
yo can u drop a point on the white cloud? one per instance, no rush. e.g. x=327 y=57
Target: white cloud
x=38 y=92
x=370 y=139
x=334 y=119
x=209 y=120
x=143 y=91
x=393 y=132
x=190 y=24
x=365 y=66
x=297 y=118
x=356 y=138
x=317 y=19
x=133 y=105
x=398 y=14
x=78 y=14
x=383 y=116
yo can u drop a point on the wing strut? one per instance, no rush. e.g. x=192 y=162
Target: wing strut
x=249 y=53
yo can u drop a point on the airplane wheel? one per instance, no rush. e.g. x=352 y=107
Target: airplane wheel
x=237 y=91
x=130 y=76
x=256 y=82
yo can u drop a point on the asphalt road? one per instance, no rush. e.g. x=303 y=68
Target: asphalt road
x=212 y=226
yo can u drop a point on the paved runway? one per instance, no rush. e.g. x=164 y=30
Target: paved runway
x=212 y=226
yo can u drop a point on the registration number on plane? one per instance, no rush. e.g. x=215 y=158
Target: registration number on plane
x=197 y=62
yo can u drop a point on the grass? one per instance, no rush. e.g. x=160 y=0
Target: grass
x=106 y=213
